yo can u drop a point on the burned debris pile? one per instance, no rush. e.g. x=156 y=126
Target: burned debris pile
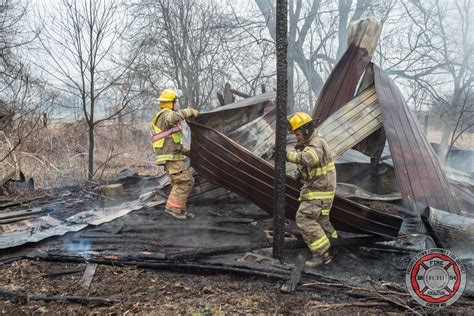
x=390 y=200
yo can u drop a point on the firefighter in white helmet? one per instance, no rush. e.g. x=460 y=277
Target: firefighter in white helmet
x=167 y=144
x=316 y=166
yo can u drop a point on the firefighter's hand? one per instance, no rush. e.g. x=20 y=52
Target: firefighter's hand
x=186 y=151
x=195 y=112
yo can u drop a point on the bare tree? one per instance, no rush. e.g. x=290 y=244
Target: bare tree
x=250 y=55
x=183 y=42
x=437 y=55
x=318 y=35
x=23 y=98
x=464 y=121
x=85 y=51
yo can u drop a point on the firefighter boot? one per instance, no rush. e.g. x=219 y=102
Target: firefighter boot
x=317 y=261
x=179 y=214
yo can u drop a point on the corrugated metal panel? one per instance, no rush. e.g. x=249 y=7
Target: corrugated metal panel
x=258 y=136
x=420 y=177
x=342 y=82
x=353 y=122
x=349 y=190
x=374 y=144
x=225 y=162
x=228 y=118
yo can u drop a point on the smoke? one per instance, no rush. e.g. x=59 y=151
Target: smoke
x=463 y=249
x=458 y=158
x=82 y=248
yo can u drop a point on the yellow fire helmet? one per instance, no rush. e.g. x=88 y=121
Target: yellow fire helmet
x=299 y=119
x=167 y=98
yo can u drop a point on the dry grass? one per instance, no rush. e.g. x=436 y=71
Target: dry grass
x=57 y=155
x=466 y=141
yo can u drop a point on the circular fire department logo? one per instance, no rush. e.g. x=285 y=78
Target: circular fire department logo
x=436 y=278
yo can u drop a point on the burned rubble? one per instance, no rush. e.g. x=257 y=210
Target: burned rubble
x=393 y=199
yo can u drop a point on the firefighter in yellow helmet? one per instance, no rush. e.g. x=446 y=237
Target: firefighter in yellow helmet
x=316 y=166
x=167 y=144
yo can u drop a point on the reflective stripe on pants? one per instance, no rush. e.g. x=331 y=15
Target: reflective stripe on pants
x=160 y=159
x=181 y=184
x=314 y=226
x=317 y=195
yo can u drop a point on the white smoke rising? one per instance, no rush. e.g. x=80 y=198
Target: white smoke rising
x=82 y=248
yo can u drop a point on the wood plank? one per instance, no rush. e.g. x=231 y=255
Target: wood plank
x=88 y=275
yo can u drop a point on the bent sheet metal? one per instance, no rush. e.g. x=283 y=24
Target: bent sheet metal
x=226 y=163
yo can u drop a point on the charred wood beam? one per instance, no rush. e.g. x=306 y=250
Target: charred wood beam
x=138 y=229
x=280 y=272
x=11 y=259
x=89 y=300
x=61 y=273
x=202 y=267
x=240 y=94
x=295 y=277
x=220 y=97
x=16 y=219
x=22 y=213
x=22 y=201
x=228 y=96
x=281 y=127
x=207 y=252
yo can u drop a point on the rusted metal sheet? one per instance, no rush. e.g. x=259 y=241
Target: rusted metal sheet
x=420 y=177
x=226 y=163
x=342 y=82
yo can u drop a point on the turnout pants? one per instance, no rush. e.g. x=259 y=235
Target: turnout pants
x=312 y=219
x=181 y=184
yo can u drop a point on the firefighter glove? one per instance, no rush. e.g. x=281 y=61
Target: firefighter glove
x=195 y=112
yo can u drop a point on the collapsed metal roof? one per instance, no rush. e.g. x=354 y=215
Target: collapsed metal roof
x=226 y=163
x=342 y=82
x=348 y=121
x=422 y=181
x=228 y=145
x=420 y=176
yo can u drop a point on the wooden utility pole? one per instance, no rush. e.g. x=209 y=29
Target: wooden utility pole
x=281 y=127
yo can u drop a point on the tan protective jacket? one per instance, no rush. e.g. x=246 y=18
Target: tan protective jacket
x=316 y=164
x=167 y=137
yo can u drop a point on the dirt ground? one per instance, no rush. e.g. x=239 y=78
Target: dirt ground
x=163 y=292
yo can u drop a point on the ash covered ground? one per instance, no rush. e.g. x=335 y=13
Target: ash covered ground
x=366 y=278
